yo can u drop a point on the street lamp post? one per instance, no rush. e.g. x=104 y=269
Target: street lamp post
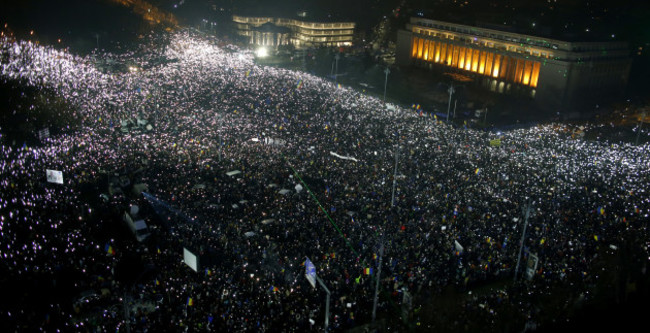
x=523 y=237
x=381 y=250
x=639 y=131
x=327 y=302
x=386 y=71
x=336 y=73
x=451 y=92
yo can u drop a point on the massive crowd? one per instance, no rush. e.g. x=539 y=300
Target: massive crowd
x=210 y=110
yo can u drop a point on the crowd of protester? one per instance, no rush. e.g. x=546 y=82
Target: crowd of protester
x=455 y=217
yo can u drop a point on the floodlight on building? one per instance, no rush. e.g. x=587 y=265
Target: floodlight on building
x=262 y=52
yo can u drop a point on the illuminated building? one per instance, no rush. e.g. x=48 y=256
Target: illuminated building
x=274 y=31
x=555 y=73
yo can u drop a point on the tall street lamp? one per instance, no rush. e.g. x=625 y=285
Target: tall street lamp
x=381 y=250
x=387 y=71
x=451 y=92
x=639 y=130
x=336 y=73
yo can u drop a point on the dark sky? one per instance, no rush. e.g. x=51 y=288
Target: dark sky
x=77 y=20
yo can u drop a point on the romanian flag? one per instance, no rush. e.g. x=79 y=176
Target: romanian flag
x=248 y=72
x=338 y=86
x=299 y=84
x=190 y=301
x=333 y=255
x=274 y=289
x=109 y=249
x=601 y=210
x=208 y=272
x=374 y=256
x=157 y=282
x=367 y=271
x=477 y=171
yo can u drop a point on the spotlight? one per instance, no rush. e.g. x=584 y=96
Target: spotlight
x=262 y=52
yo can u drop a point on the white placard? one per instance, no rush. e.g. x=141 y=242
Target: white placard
x=190 y=260
x=54 y=176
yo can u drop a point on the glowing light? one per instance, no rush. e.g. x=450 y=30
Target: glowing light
x=262 y=52
x=426 y=50
x=497 y=61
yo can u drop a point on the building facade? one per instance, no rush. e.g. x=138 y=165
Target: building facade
x=301 y=34
x=555 y=73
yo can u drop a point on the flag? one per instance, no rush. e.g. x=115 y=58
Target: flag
x=157 y=282
x=333 y=255
x=248 y=72
x=273 y=289
x=190 y=301
x=338 y=86
x=299 y=84
x=109 y=249
x=374 y=256
x=477 y=171
x=596 y=237
x=208 y=272
x=601 y=210
x=367 y=271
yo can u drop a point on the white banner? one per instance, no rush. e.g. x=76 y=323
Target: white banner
x=343 y=157
x=54 y=176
